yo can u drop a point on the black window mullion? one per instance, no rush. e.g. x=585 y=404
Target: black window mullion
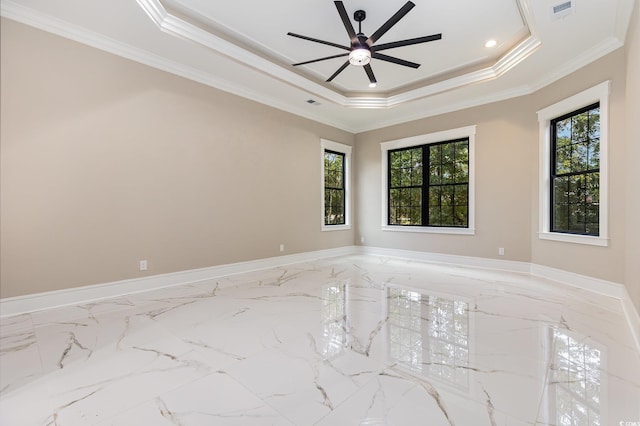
x=426 y=184
x=389 y=165
x=401 y=191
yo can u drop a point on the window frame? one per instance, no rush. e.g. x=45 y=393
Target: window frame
x=467 y=132
x=555 y=175
x=597 y=94
x=327 y=145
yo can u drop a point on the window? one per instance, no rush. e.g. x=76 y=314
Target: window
x=575 y=172
x=335 y=184
x=428 y=183
x=334 y=211
x=573 y=168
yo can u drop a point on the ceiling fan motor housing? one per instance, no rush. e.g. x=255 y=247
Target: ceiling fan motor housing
x=360 y=54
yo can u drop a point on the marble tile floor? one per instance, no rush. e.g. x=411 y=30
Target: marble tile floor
x=357 y=340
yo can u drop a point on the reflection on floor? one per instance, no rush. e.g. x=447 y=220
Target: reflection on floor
x=359 y=340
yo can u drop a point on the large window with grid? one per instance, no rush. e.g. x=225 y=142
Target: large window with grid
x=429 y=185
x=573 y=168
x=335 y=186
x=575 y=172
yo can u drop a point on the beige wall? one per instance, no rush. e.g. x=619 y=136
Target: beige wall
x=600 y=262
x=632 y=275
x=507 y=180
x=503 y=183
x=105 y=162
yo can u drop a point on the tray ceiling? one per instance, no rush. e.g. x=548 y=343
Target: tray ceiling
x=243 y=48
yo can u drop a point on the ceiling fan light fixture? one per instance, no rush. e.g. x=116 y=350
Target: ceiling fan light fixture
x=360 y=56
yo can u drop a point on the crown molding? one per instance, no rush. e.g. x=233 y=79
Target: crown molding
x=598 y=51
x=36 y=19
x=178 y=27
x=623 y=18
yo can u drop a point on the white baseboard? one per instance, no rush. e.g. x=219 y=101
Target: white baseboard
x=606 y=288
x=633 y=318
x=596 y=285
x=477 y=262
x=55 y=299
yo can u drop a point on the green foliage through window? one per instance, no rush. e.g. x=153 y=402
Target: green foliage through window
x=429 y=185
x=575 y=172
x=334 y=190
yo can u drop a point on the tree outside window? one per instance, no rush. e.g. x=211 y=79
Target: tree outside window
x=429 y=185
x=334 y=188
x=575 y=172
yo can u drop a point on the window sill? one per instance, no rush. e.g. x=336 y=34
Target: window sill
x=576 y=239
x=429 y=230
x=335 y=227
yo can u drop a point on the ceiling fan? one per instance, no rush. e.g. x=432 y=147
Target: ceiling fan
x=363 y=49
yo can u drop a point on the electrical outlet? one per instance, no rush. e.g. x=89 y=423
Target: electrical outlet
x=143 y=265
x=501 y=251
x=281 y=247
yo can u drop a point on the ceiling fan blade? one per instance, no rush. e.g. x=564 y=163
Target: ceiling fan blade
x=320 y=59
x=335 y=74
x=408 y=42
x=328 y=43
x=394 y=60
x=390 y=23
x=369 y=71
x=346 y=21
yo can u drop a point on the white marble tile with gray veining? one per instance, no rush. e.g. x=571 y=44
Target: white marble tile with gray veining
x=356 y=340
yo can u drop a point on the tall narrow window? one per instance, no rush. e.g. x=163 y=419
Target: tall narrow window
x=429 y=185
x=334 y=193
x=573 y=168
x=575 y=172
x=336 y=158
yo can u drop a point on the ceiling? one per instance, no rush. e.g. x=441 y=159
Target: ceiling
x=243 y=48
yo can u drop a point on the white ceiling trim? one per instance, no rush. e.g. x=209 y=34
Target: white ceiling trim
x=80 y=34
x=623 y=18
x=177 y=27
x=451 y=107
x=36 y=19
x=598 y=51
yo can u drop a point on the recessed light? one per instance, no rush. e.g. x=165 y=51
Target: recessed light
x=490 y=43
